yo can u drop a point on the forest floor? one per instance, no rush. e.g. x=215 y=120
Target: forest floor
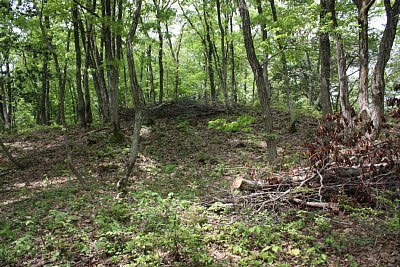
x=180 y=210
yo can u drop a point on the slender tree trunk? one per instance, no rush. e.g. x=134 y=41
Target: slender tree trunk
x=78 y=70
x=311 y=78
x=160 y=52
x=86 y=45
x=224 y=72
x=112 y=68
x=234 y=97
x=152 y=89
x=175 y=56
x=378 y=78
x=50 y=48
x=325 y=54
x=341 y=65
x=137 y=98
x=210 y=52
x=260 y=81
x=292 y=123
x=264 y=36
x=61 y=106
x=99 y=81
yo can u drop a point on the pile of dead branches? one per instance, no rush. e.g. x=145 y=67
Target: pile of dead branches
x=342 y=166
x=183 y=106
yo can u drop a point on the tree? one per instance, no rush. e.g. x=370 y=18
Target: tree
x=341 y=65
x=378 y=77
x=259 y=79
x=292 y=124
x=137 y=98
x=175 y=55
x=78 y=70
x=325 y=54
x=363 y=7
x=224 y=55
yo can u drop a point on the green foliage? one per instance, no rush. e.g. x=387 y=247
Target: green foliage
x=239 y=125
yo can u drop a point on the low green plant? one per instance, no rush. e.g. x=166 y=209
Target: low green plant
x=241 y=124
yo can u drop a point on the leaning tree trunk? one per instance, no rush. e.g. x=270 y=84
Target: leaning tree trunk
x=378 y=78
x=260 y=81
x=137 y=98
x=10 y=156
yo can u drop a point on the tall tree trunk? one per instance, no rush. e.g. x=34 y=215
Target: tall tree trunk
x=99 y=81
x=292 y=123
x=160 y=52
x=234 y=98
x=260 y=81
x=112 y=68
x=264 y=36
x=363 y=7
x=137 y=98
x=50 y=48
x=311 y=77
x=210 y=52
x=152 y=89
x=61 y=106
x=98 y=74
x=78 y=70
x=341 y=65
x=175 y=56
x=86 y=45
x=325 y=68
x=224 y=72
x=378 y=78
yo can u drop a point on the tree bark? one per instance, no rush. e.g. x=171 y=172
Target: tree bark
x=137 y=98
x=50 y=48
x=378 y=78
x=175 y=56
x=341 y=65
x=264 y=36
x=78 y=70
x=210 y=52
x=363 y=7
x=325 y=54
x=224 y=72
x=151 y=74
x=112 y=67
x=234 y=97
x=292 y=123
x=160 y=51
x=260 y=81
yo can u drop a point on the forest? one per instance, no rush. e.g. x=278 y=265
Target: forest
x=199 y=133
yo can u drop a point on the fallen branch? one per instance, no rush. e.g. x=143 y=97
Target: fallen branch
x=322 y=205
x=69 y=159
x=10 y=156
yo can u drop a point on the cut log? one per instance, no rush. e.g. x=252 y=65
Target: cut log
x=248 y=185
x=321 y=205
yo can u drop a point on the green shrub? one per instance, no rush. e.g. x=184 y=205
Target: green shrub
x=241 y=124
